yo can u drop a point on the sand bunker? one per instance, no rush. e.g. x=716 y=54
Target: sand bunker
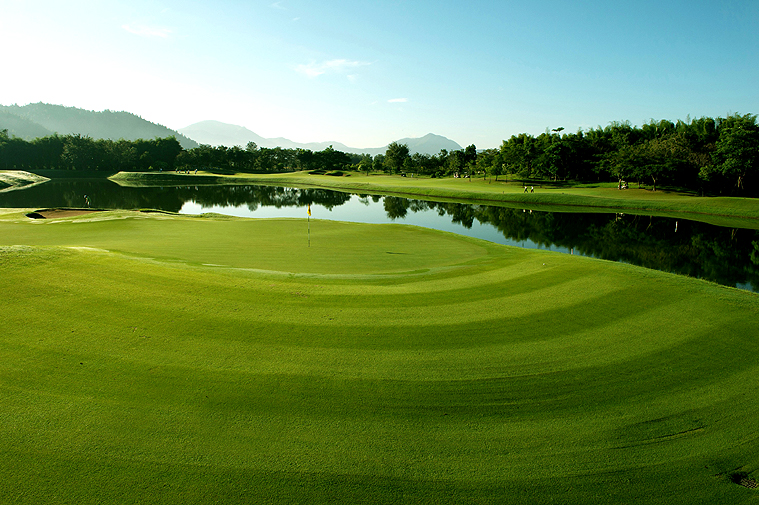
x=56 y=213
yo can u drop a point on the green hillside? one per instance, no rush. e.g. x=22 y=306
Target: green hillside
x=41 y=119
x=153 y=358
x=20 y=127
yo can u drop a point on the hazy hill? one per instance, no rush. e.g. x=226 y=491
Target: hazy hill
x=20 y=127
x=216 y=133
x=429 y=144
x=41 y=119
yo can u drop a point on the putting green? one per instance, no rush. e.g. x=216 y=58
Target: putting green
x=286 y=245
x=384 y=364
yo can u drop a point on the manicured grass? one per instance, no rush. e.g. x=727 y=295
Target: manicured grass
x=602 y=197
x=17 y=178
x=384 y=364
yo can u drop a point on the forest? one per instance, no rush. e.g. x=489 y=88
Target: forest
x=711 y=156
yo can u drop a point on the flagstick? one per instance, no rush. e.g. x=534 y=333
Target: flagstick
x=309 y=225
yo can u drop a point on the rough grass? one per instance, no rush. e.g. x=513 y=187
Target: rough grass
x=450 y=371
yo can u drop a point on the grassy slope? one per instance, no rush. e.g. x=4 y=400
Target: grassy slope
x=384 y=364
x=725 y=211
x=18 y=179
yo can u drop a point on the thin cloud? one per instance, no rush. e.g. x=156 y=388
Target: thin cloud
x=278 y=5
x=315 y=69
x=398 y=100
x=148 y=31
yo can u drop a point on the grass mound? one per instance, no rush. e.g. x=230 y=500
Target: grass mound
x=157 y=358
x=15 y=179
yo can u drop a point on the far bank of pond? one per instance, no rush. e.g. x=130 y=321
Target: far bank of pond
x=551 y=196
x=729 y=256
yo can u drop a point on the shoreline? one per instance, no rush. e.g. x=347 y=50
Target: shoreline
x=722 y=211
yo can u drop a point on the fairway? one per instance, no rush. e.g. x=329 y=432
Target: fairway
x=154 y=358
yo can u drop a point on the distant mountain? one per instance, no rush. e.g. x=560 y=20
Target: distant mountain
x=21 y=127
x=216 y=133
x=41 y=119
x=429 y=144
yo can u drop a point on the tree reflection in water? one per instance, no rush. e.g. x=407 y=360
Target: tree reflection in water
x=723 y=255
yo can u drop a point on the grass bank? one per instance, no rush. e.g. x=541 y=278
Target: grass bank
x=158 y=358
x=15 y=179
x=723 y=211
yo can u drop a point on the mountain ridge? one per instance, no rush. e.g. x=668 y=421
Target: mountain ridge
x=217 y=133
x=41 y=119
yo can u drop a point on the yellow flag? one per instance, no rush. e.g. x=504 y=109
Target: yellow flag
x=309 y=209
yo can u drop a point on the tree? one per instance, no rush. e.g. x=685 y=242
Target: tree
x=330 y=159
x=78 y=152
x=378 y=163
x=365 y=163
x=238 y=158
x=470 y=159
x=660 y=157
x=557 y=156
x=454 y=162
x=736 y=153
x=488 y=161
x=396 y=156
x=305 y=158
x=519 y=154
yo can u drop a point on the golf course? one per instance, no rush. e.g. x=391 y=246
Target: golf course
x=561 y=196
x=151 y=357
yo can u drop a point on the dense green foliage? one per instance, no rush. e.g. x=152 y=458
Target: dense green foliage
x=262 y=159
x=709 y=156
x=715 y=156
x=77 y=152
x=194 y=360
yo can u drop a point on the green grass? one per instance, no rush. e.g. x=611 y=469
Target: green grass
x=384 y=364
x=14 y=179
x=600 y=197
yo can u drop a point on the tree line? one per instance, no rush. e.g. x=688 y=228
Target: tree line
x=706 y=155
x=715 y=156
x=78 y=152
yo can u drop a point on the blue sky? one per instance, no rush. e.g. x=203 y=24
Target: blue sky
x=368 y=73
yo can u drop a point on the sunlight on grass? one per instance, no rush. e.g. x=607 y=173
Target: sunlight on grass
x=460 y=371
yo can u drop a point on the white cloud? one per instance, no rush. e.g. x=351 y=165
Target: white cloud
x=315 y=69
x=278 y=5
x=398 y=100
x=148 y=31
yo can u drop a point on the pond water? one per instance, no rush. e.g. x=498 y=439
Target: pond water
x=724 y=255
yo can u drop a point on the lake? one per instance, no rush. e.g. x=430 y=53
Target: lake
x=728 y=256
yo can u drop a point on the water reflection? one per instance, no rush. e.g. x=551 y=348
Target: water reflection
x=724 y=255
